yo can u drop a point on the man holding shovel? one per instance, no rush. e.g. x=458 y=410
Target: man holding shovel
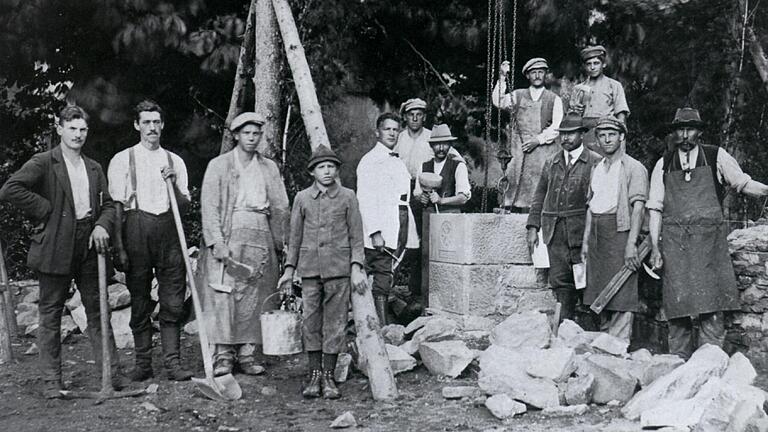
x=146 y=240
x=65 y=193
x=244 y=209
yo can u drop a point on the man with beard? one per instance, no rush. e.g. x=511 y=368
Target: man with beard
x=559 y=207
x=619 y=189
x=146 y=241
x=383 y=191
x=536 y=112
x=599 y=96
x=685 y=199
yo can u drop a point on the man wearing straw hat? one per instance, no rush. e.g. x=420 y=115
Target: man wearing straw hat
x=536 y=113
x=598 y=96
x=559 y=208
x=453 y=192
x=688 y=233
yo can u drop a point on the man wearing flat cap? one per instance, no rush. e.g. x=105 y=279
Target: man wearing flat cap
x=618 y=191
x=244 y=210
x=688 y=233
x=146 y=239
x=536 y=112
x=559 y=208
x=598 y=96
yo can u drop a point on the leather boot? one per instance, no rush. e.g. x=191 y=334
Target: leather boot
x=312 y=390
x=380 y=303
x=170 y=338
x=143 y=352
x=330 y=391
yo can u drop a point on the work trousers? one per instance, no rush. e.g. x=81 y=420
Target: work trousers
x=53 y=295
x=243 y=352
x=378 y=264
x=562 y=257
x=680 y=338
x=617 y=323
x=326 y=308
x=152 y=244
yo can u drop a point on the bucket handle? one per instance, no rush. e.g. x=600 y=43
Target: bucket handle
x=261 y=309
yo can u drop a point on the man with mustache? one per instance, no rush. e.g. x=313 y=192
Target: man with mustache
x=146 y=240
x=559 y=207
x=536 y=113
x=689 y=234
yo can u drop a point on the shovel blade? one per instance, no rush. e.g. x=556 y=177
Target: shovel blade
x=222 y=388
x=239 y=270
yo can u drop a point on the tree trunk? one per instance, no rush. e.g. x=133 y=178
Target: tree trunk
x=758 y=56
x=302 y=78
x=266 y=76
x=8 y=313
x=6 y=352
x=241 y=77
x=371 y=346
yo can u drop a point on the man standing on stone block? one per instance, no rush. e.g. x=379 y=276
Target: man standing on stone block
x=536 y=113
x=559 y=208
x=65 y=194
x=618 y=191
x=689 y=234
x=384 y=192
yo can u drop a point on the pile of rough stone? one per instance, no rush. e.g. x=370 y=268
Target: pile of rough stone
x=526 y=366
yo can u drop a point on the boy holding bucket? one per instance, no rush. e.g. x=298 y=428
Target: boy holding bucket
x=325 y=248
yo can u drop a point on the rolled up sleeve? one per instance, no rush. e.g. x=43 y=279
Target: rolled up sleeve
x=656 y=191
x=638 y=184
x=731 y=172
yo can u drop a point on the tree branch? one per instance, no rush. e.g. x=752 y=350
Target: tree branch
x=431 y=66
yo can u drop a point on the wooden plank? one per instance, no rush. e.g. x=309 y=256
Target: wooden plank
x=617 y=281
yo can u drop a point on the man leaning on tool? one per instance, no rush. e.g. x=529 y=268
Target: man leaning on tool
x=65 y=193
x=148 y=242
x=383 y=192
x=536 y=113
x=618 y=191
x=559 y=208
x=688 y=233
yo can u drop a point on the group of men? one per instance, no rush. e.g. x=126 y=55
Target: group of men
x=587 y=199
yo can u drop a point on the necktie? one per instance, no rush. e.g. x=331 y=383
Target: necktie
x=570 y=159
x=394 y=154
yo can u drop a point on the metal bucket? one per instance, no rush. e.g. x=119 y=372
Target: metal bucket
x=280 y=331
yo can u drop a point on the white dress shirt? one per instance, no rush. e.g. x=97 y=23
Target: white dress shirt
x=151 y=192
x=575 y=153
x=605 y=187
x=415 y=151
x=81 y=190
x=549 y=133
x=381 y=180
x=461 y=176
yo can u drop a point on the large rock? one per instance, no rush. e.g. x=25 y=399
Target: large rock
x=658 y=366
x=27 y=316
x=471 y=289
x=579 y=390
x=613 y=380
x=528 y=329
x=502 y=406
x=512 y=299
x=119 y=297
x=502 y=370
x=610 y=344
x=68 y=327
x=478 y=238
x=739 y=370
x=556 y=364
x=393 y=334
x=32 y=294
x=434 y=329
x=341 y=372
x=732 y=408
x=399 y=360
x=448 y=358
x=571 y=335
x=682 y=383
x=123 y=335
x=74 y=302
x=78 y=315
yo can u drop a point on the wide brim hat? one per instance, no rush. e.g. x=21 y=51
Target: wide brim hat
x=535 y=63
x=611 y=122
x=322 y=154
x=686 y=117
x=412 y=104
x=245 y=118
x=441 y=133
x=592 y=51
x=572 y=122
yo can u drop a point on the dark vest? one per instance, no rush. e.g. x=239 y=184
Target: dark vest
x=707 y=155
x=547 y=104
x=448 y=186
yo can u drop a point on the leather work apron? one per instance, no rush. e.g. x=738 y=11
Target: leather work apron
x=525 y=168
x=698 y=274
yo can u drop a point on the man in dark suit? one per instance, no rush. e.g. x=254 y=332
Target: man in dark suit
x=65 y=194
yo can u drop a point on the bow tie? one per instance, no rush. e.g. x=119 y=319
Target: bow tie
x=394 y=154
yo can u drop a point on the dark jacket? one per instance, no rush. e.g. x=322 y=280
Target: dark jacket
x=562 y=193
x=41 y=190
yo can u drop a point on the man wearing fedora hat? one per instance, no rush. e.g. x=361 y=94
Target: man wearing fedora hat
x=598 y=96
x=618 y=191
x=559 y=207
x=244 y=209
x=536 y=112
x=688 y=233
x=146 y=241
x=454 y=191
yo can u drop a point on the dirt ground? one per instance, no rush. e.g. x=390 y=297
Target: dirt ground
x=179 y=407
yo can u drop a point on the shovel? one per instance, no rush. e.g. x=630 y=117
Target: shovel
x=222 y=388
x=107 y=392
x=221 y=286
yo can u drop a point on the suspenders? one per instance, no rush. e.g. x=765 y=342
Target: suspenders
x=132 y=198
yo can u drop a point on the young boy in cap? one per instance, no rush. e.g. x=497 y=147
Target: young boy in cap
x=325 y=248
x=606 y=95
